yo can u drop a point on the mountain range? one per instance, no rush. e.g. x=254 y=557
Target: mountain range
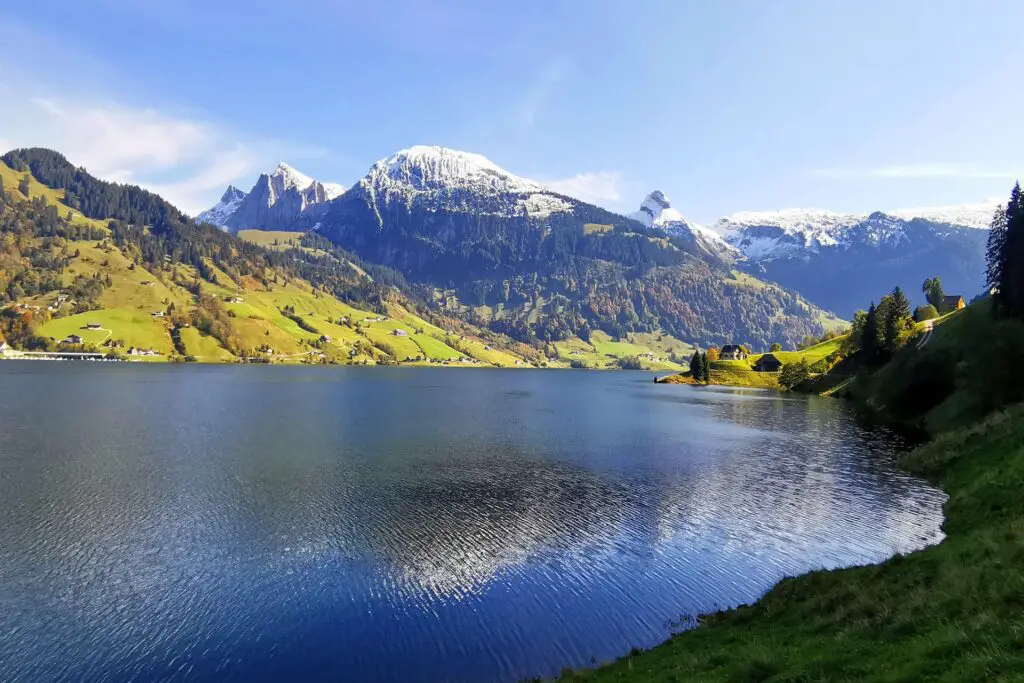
x=413 y=206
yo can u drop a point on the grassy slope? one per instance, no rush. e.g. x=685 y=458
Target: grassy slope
x=11 y=178
x=739 y=373
x=604 y=352
x=952 y=612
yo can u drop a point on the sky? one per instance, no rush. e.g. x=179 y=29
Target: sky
x=725 y=106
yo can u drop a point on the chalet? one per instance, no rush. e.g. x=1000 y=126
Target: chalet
x=325 y=339
x=157 y=314
x=234 y=300
x=732 y=352
x=767 y=363
x=93 y=326
x=72 y=339
x=400 y=333
x=952 y=302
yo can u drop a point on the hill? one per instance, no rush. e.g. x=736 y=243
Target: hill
x=78 y=251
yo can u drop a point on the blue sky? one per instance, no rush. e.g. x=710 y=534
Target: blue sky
x=725 y=106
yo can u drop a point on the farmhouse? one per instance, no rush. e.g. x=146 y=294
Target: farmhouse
x=400 y=333
x=732 y=352
x=72 y=339
x=93 y=326
x=325 y=339
x=767 y=363
x=952 y=302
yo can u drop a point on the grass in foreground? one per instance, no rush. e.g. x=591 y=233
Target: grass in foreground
x=952 y=612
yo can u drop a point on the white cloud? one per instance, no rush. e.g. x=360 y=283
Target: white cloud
x=185 y=158
x=596 y=187
x=963 y=171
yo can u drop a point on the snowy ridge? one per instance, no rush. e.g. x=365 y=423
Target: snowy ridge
x=656 y=211
x=458 y=180
x=282 y=199
x=798 y=233
x=968 y=215
x=228 y=204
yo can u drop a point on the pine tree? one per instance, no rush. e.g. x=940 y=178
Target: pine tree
x=869 y=342
x=695 y=366
x=705 y=368
x=897 y=317
x=1011 y=276
x=994 y=250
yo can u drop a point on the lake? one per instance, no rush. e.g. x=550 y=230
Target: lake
x=250 y=523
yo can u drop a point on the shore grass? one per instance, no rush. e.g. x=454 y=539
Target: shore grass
x=951 y=612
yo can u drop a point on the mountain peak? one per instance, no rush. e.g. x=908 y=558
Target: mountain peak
x=232 y=193
x=657 y=211
x=289 y=177
x=433 y=169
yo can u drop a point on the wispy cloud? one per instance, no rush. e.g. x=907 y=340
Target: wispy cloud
x=595 y=187
x=536 y=97
x=916 y=171
x=186 y=159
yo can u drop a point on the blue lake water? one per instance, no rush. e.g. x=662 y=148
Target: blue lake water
x=204 y=523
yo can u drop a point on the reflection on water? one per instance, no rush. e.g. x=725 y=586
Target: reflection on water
x=204 y=523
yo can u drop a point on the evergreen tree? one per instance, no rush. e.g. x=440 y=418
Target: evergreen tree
x=869 y=340
x=1011 y=277
x=705 y=368
x=994 y=249
x=695 y=366
x=933 y=293
x=896 y=321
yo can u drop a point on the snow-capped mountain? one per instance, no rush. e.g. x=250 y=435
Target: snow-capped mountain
x=282 y=200
x=656 y=211
x=844 y=261
x=539 y=264
x=437 y=176
x=222 y=211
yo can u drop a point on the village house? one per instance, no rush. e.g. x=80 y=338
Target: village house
x=93 y=326
x=732 y=352
x=952 y=302
x=72 y=339
x=325 y=339
x=768 y=363
x=400 y=333
x=157 y=314
x=234 y=300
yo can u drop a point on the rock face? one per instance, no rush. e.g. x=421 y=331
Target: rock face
x=842 y=262
x=282 y=200
x=656 y=211
x=538 y=264
x=228 y=204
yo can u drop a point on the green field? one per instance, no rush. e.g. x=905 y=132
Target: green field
x=202 y=347
x=952 y=612
x=272 y=239
x=812 y=353
x=135 y=328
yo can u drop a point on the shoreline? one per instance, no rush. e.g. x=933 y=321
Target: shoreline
x=910 y=617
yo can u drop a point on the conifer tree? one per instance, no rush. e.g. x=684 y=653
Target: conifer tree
x=695 y=366
x=897 y=317
x=869 y=342
x=1011 y=276
x=994 y=250
x=705 y=368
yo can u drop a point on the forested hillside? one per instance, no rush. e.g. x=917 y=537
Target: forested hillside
x=542 y=266
x=80 y=252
